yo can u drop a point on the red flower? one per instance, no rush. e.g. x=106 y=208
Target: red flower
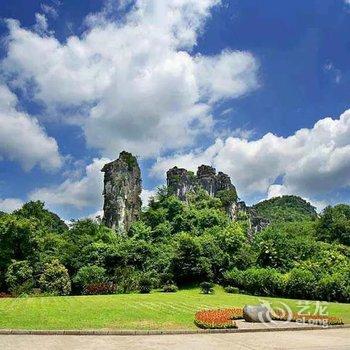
x=221 y=318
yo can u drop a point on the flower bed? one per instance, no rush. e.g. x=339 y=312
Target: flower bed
x=224 y=318
x=312 y=319
x=218 y=319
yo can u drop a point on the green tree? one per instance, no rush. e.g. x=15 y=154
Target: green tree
x=286 y=208
x=55 y=279
x=34 y=210
x=19 y=277
x=334 y=224
x=189 y=264
x=88 y=275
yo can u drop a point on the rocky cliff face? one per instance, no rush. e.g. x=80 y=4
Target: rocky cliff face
x=122 y=189
x=181 y=181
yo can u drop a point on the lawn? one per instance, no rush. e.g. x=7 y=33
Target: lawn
x=130 y=311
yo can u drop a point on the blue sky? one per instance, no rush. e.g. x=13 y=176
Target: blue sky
x=245 y=86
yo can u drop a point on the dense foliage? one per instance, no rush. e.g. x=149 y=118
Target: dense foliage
x=286 y=208
x=176 y=243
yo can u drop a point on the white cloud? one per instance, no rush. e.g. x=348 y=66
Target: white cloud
x=41 y=26
x=140 y=85
x=227 y=75
x=310 y=162
x=22 y=139
x=79 y=193
x=8 y=205
x=146 y=196
x=49 y=10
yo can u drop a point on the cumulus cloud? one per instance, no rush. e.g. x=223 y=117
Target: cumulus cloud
x=80 y=193
x=218 y=80
x=22 y=139
x=310 y=162
x=8 y=205
x=139 y=84
x=84 y=192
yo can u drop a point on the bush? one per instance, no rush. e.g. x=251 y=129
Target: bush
x=207 y=287
x=19 y=277
x=100 y=288
x=257 y=281
x=55 y=279
x=90 y=275
x=126 y=279
x=334 y=287
x=145 y=283
x=170 y=288
x=301 y=284
x=231 y=290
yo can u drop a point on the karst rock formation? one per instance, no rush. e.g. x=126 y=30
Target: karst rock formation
x=122 y=190
x=181 y=181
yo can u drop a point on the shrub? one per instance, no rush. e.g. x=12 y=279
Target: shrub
x=126 y=279
x=90 y=275
x=55 y=279
x=5 y=295
x=333 y=287
x=145 y=283
x=257 y=281
x=231 y=290
x=19 y=277
x=100 y=288
x=218 y=319
x=207 y=287
x=227 y=196
x=301 y=283
x=170 y=288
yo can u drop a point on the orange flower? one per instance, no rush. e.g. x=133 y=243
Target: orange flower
x=221 y=318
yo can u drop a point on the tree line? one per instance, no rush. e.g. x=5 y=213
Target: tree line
x=175 y=244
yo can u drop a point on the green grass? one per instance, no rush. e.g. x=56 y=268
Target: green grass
x=129 y=311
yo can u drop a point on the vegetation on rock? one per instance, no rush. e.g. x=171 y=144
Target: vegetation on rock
x=285 y=209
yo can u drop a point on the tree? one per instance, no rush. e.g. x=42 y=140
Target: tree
x=334 y=224
x=189 y=264
x=227 y=197
x=89 y=275
x=17 y=240
x=19 y=277
x=286 y=208
x=34 y=210
x=55 y=279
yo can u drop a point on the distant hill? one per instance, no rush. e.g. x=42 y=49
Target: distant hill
x=286 y=208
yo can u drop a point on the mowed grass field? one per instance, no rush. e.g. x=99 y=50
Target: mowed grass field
x=130 y=311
